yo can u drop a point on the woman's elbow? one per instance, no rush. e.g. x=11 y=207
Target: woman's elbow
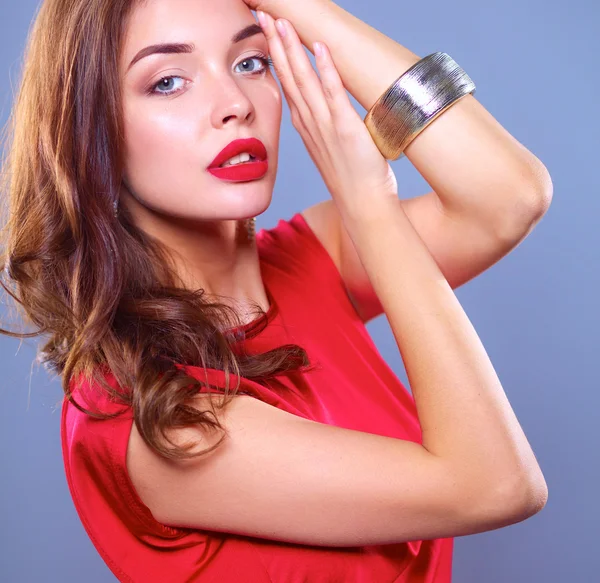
x=520 y=498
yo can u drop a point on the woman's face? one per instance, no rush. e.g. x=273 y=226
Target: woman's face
x=182 y=109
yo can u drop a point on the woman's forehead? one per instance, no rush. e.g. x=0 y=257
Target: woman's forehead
x=201 y=23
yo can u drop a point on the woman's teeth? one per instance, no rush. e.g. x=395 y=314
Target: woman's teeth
x=239 y=159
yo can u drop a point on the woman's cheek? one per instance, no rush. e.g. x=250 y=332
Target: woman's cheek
x=160 y=139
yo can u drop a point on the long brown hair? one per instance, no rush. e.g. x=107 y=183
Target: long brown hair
x=104 y=293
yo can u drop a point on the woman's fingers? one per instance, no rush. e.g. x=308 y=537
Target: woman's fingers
x=332 y=85
x=304 y=77
x=298 y=78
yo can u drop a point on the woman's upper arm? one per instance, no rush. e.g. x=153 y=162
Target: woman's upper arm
x=282 y=477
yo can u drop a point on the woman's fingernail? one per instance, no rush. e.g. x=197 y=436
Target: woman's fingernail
x=261 y=18
x=281 y=27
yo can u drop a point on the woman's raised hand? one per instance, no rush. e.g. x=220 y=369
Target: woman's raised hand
x=335 y=136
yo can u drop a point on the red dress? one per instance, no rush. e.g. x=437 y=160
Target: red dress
x=352 y=387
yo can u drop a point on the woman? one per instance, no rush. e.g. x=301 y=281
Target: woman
x=132 y=246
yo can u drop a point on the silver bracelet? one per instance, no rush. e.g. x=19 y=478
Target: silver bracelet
x=414 y=100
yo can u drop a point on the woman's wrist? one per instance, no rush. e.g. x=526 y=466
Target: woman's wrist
x=288 y=8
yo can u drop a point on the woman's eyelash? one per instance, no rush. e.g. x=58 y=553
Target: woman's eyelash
x=267 y=61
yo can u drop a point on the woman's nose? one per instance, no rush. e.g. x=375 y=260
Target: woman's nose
x=230 y=102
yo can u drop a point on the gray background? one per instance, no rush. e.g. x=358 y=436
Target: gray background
x=535 y=67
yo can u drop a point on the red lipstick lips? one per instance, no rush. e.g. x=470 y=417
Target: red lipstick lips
x=253 y=146
x=256 y=168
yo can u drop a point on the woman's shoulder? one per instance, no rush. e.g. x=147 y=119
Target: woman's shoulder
x=293 y=248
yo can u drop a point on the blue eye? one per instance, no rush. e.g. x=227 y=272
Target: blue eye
x=166 y=82
x=266 y=61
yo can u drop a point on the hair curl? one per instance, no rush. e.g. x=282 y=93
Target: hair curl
x=104 y=292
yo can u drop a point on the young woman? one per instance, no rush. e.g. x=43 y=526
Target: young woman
x=130 y=244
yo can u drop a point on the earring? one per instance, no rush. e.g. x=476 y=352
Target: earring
x=116 y=207
x=251 y=228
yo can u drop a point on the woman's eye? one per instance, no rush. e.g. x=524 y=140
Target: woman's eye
x=165 y=83
x=266 y=62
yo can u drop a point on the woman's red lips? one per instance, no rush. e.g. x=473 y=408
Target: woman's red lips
x=253 y=146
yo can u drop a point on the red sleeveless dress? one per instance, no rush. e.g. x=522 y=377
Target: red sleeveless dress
x=352 y=387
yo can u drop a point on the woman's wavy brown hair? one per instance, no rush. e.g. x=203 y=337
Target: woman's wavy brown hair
x=105 y=294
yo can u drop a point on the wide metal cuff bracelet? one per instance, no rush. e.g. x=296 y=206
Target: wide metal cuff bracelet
x=416 y=99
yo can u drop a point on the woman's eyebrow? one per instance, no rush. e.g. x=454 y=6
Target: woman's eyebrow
x=175 y=48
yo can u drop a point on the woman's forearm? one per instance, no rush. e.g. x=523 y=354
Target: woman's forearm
x=464 y=414
x=473 y=164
